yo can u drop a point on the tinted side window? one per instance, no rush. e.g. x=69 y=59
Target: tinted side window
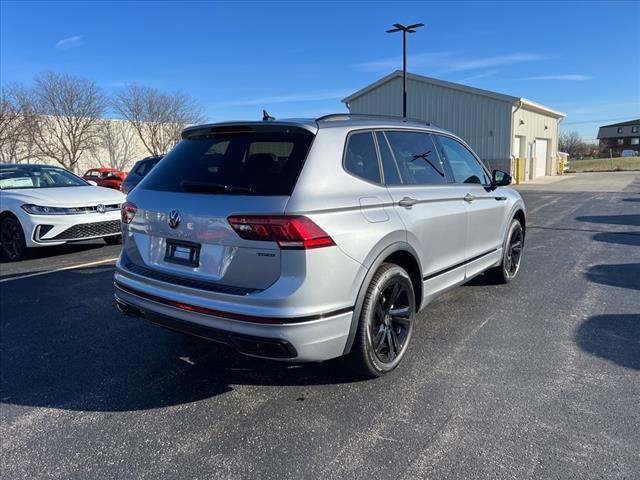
x=361 y=158
x=391 y=174
x=140 y=168
x=463 y=164
x=417 y=158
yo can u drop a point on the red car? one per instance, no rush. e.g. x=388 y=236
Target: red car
x=106 y=177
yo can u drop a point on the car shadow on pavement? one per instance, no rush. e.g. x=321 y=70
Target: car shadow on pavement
x=68 y=347
x=625 y=275
x=57 y=250
x=613 y=337
x=626 y=238
x=631 y=199
x=627 y=219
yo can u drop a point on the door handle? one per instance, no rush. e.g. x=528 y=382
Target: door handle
x=407 y=202
x=469 y=198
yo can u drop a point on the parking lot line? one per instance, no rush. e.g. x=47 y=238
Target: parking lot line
x=70 y=267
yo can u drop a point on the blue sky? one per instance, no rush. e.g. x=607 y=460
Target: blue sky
x=300 y=59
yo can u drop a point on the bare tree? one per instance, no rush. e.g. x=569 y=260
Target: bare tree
x=68 y=111
x=115 y=147
x=15 y=121
x=158 y=118
x=573 y=144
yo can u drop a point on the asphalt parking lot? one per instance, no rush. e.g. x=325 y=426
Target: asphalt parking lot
x=537 y=379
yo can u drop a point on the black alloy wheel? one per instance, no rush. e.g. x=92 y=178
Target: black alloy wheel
x=511 y=255
x=514 y=251
x=14 y=247
x=386 y=322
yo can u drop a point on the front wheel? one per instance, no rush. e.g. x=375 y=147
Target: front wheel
x=14 y=247
x=385 y=324
x=113 y=240
x=511 y=255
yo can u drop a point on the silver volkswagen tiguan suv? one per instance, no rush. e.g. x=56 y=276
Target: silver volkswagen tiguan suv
x=306 y=240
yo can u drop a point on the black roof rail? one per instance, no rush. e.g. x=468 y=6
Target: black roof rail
x=337 y=116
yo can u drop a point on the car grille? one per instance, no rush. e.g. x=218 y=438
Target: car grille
x=188 y=282
x=107 y=208
x=88 y=230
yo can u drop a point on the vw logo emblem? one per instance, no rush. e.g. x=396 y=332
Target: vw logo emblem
x=174 y=218
x=100 y=208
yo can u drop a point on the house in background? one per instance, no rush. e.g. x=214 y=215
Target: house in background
x=620 y=136
x=500 y=128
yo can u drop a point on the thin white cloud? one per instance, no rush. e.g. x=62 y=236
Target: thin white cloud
x=288 y=98
x=114 y=84
x=415 y=61
x=488 y=73
x=571 y=77
x=447 y=62
x=70 y=42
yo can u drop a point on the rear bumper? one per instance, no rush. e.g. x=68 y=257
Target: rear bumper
x=249 y=345
x=311 y=339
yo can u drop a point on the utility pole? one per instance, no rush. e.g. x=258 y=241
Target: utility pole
x=398 y=27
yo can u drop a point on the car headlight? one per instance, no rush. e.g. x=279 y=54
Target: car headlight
x=39 y=210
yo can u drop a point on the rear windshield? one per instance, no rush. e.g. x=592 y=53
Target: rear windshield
x=247 y=163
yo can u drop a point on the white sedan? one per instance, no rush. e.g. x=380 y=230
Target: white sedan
x=45 y=205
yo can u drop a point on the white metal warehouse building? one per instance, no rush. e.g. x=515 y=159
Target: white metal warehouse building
x=500 y=128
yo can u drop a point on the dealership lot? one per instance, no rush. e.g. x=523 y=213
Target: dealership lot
x=537 y=379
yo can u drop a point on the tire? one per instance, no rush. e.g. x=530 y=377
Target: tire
x=113 y=240
x=509 y=267
x=14 y=247
x=382 y=338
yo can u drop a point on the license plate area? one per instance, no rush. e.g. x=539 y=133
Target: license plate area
x=182 y=253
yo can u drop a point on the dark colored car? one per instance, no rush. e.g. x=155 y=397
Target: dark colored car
x=139 y=171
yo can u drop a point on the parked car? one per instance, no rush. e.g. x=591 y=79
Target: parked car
x=138 y=172
x=628 y=153
x=308 y=240
x=106 y=177
x=44 y=205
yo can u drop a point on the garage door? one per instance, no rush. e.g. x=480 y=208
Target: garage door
x=541 y=157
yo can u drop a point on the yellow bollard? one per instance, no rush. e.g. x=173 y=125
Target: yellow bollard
x=561 y=165
x=518 y=166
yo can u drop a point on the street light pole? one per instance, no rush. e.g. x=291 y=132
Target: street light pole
x=398 y=27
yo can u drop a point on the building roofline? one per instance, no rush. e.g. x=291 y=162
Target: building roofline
x=454 y=86
x=622 y=124
x=541 y=108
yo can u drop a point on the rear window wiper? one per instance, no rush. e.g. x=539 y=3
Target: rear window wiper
x=213 y=187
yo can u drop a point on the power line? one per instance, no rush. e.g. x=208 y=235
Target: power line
x=595 y=121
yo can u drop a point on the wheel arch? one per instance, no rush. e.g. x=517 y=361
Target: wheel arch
x=520 y=216
x=8 y=213
x=401 y=254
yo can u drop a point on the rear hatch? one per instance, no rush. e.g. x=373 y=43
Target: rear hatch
x=180 y=231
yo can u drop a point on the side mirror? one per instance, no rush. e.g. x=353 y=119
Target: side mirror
x=500 y=178
x=91 y=182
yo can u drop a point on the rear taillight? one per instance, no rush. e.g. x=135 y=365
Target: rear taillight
x=290 y=232
x=128 y=211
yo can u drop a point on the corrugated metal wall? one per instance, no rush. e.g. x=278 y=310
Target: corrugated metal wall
x=483 y=122
x=531 y=125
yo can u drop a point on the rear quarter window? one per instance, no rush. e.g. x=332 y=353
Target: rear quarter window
x=361 y=158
